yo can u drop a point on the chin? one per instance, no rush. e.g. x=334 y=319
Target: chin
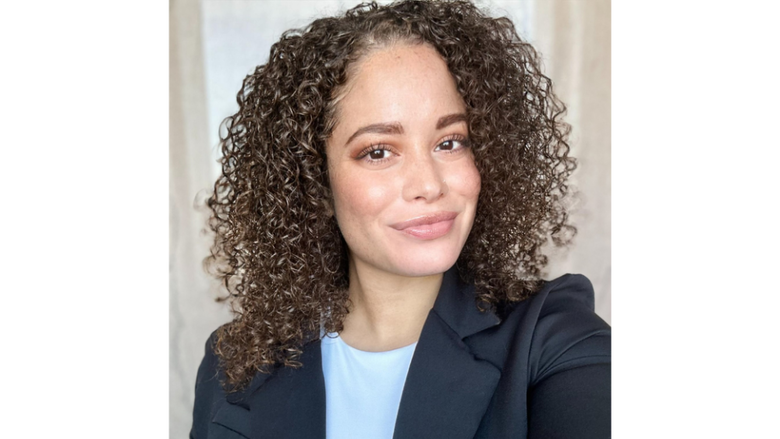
x=423 y=264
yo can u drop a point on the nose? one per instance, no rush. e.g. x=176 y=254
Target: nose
x=423 y=179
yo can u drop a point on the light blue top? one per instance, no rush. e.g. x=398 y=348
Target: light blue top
x=362 y=389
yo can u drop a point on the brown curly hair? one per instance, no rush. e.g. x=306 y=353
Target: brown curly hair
x=278 y=248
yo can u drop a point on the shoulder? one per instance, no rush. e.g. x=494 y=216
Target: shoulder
x=555 y=329
x=568 y=362
x=209 y=366
x=567 y=331
x=565 y=303
x=208 y=389
x=572 y=290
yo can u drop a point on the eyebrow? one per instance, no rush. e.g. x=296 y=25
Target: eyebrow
x=396 y=128
x=450 y=119
x=379 y=128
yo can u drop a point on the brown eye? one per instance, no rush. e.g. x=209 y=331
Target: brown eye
x=452 y=145
x=378 y=154
x=448 y=145
x=375 y=154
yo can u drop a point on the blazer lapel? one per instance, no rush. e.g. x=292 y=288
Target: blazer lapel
x=289 y=403
x=447 y=389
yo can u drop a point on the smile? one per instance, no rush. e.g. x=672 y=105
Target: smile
x=427 y=227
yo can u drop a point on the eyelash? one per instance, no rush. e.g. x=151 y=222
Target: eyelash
x=371 y=148
x=464 y=141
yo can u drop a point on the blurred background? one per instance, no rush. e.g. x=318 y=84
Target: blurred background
x=214 y=44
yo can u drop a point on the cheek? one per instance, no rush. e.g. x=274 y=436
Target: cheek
x=467 y=181
x=358 y=197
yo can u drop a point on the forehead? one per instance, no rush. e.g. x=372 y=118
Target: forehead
x=403 y=83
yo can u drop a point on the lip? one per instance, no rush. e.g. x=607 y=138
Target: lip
x=429 y=226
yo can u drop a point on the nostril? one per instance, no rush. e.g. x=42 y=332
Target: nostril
x=423 y=180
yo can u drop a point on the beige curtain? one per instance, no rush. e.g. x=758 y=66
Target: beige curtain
x=574 y=38
x=193 y=312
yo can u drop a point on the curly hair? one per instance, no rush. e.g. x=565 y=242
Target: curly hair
x=278 y=249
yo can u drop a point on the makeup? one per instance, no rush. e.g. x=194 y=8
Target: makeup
x=427 y=227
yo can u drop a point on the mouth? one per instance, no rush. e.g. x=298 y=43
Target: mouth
x=427 y=227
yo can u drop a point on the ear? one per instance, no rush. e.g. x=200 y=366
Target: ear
x=328 y=205
x=327 y=198
x=326 y=202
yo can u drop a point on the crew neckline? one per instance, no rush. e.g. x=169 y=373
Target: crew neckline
x=334 y=338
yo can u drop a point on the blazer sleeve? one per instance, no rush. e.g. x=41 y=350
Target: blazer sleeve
x=208 y=391
x=570 y=383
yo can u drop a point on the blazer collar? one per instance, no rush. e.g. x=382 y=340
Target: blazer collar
x=456 y=305
x=447 y=389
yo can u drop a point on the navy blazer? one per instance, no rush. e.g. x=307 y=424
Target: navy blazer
x=542 y=372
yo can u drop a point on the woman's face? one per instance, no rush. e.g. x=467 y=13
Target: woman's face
x=402 y=173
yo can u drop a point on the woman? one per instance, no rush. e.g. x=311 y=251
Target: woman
x=388 y=183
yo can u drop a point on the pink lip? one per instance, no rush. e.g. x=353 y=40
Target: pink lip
x=427 y=227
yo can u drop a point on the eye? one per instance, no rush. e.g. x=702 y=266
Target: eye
x=453 y=144
x=375 y=154
x=378 y=154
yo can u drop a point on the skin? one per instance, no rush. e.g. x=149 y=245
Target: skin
x=399 y=151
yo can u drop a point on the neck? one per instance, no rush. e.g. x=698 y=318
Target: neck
x=388 y=311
